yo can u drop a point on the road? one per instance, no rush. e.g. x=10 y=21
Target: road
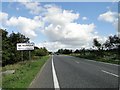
x=62 y=71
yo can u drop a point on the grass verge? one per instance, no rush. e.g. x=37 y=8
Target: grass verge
x=101 y=59
x=25 y=72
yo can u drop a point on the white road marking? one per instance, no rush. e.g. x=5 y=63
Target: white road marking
x=110 y=73
x=55 y=80
x=103 y=62
x=76 y=61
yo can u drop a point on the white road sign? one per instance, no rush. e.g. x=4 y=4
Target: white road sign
x=25 y=46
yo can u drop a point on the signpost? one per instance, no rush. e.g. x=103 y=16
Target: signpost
x=25 y=46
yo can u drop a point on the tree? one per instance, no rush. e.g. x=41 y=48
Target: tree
x=99 y=47
x=60 y=51
x=77 y=51
x=64 y=51
x=113 y=42
x=9 y=53
x=35 y=47
x=97 y=44
x=41 y=52
x=5 y=47
x=82 y=51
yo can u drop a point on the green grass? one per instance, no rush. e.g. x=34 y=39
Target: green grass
x=25 y=72
x=107 y=59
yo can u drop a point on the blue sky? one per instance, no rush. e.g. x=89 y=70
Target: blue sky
x=91 y=11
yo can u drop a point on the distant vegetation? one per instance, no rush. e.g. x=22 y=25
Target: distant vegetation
x=109 y=51
x=10 y=55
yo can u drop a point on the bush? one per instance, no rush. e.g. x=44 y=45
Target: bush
x=41 y=52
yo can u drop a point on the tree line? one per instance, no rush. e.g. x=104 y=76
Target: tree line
x=112 y=43
x=109 y=51
x=10 y=55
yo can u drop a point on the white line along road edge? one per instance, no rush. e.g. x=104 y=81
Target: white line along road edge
x=103 y=62
x=55 y=80
x=110 y=73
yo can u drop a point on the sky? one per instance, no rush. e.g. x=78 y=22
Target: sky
x=57 y=25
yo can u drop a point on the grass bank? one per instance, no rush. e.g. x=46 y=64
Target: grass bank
x=108 y=59
x=25 y=72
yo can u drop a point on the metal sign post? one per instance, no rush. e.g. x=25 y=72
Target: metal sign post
x=29 y=55
x=22 y=55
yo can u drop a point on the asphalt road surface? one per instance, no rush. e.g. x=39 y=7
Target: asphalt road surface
x=62 y=71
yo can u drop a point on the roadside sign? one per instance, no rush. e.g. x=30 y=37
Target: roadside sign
x=25 y=46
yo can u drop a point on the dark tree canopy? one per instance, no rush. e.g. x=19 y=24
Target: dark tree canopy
x=9 y=53
x=96 y=43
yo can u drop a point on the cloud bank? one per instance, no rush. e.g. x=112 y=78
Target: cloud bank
x=58 y=25
x=109 y=16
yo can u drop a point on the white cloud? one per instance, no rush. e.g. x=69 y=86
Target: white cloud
x=26 y=25
x=3 y=17
x=58 y=25
x=34 y=7
x=57 y=16
x=72 y=35
x=70 y=32
x=84 y=18
x=61 y=28
x=51 y=46
x=109 y=16
x=17 y=9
